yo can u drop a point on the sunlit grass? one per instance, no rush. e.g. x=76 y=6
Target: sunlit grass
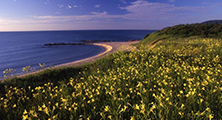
x=174 y=80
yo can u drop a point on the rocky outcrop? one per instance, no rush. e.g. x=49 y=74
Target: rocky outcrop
x=59 y=44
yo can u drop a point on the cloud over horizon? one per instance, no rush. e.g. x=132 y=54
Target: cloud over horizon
x=138 y=10
x=150 y=15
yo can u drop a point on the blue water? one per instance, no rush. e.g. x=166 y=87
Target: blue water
x=20 y=49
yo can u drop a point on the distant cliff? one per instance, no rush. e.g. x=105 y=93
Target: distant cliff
x=212 y=22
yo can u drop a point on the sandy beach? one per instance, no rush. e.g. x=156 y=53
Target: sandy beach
x=110 y=47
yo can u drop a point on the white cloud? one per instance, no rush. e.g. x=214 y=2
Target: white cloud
x=139 y=13
x=60 y=5
x=100 y=13
x=69 y=7
x=94 y=15
x=7 y=21
x=144 y=10
x=47 y=2
x=123 y=1
x=147 y=10
x=97 y=6
x=139 y=10
x=75 y=6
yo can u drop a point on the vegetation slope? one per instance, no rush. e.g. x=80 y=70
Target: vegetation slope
x=184 y=31
x=177 y=79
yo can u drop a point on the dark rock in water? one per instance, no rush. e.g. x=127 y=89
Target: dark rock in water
x=94 y=41
x=132 y=40
x=60 y=44
x=83 y=42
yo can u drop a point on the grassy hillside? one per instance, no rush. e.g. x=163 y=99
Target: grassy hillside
x=177 y=79
x=184 y=31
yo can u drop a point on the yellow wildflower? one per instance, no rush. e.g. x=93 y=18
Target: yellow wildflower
x=110 y=117
x=14 y=106
x=25 y=112
x=210 y=116
x=106 y=108
x=132 y=118
x=137 y=107
x=208 y=109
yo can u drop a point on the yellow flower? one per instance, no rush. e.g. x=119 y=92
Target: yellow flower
x=137 y=107
x=182 y=106
x=106 y=108
x=142 y=109
x=57 y=104
x=201 y=100
x=25 y=112
x=25 y=117
x=180 y=113
x=55 y=116
x=42 y=65
x=43 y=106
x=110 y=117
x=132 y=118
x=123 y=109
x=46 y=111
x=64 y=100
x=210 y=116
x=152 y=108
x=35 y=115
x=208 y=109
x=14 y=105
x=40 y=109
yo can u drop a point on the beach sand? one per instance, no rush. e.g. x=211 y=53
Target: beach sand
x=110 y=47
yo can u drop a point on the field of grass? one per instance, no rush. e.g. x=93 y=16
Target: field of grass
x=174 y=80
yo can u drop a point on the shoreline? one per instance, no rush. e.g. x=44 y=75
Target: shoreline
x=110 y=47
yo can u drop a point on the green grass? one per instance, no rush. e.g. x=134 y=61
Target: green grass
x=174 y=80
x=49 y=75
x=56 y=74
x=153 y=37
x=182 y=32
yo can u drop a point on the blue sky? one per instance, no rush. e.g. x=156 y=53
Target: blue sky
x=34 y=15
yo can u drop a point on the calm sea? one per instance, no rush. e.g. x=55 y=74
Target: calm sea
x=20 y=49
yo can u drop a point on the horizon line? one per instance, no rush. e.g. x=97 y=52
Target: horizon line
x=73 y=30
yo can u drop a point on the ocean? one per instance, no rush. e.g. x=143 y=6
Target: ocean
x=21 y=49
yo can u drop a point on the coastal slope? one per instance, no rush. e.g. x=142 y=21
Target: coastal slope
x=179 y=78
